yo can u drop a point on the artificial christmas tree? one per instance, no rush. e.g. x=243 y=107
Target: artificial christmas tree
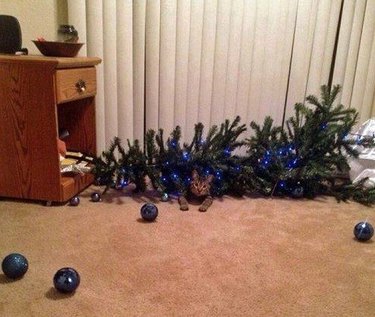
x=307 y=158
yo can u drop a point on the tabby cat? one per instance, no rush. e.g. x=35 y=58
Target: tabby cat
x=199 y=190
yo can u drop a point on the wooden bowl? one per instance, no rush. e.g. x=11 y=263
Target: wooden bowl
x=61 y=49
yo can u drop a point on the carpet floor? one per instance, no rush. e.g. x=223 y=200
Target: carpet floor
x=243 y=257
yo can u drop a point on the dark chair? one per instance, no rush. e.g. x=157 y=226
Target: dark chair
x=10 y=36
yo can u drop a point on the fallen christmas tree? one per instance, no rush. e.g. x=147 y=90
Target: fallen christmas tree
x=307 y=158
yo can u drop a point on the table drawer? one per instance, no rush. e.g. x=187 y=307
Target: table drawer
x=72 y=84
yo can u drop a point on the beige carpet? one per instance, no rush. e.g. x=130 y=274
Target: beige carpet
x=244 y=257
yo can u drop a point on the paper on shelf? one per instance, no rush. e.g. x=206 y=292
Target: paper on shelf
x=364 y=165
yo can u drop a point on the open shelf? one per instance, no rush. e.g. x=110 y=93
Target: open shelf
x=40 y=95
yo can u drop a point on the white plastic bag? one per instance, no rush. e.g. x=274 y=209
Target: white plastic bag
x=364 y=165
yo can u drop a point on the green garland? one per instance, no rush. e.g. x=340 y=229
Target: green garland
x=307 y=158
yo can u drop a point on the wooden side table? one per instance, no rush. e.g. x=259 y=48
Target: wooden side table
x=38 y=96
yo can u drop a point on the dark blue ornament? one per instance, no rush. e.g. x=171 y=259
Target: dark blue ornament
x=15 y=265
x=363 y=231
x=95 y=197
x=66 y=280
x=164 y=197
x=297 y=191
x=74 y=201
x=149 y=212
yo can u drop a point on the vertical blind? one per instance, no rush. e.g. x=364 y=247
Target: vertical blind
x=179 y=62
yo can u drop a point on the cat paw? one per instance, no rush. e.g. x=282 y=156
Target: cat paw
x=202 y=209
x=184 y=208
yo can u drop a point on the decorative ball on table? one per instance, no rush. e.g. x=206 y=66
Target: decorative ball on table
x=363 y=231
x=95 y=197
x=164 y=197
x=66 y=280
x=74 y=201
x=149 y=212
x=15 y=265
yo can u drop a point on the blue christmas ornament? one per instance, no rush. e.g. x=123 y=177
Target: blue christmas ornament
x=15 y=265
x=363 y=231
x=149 y=212
x=95 y=197
x=66 y=280
x=164 y=197
x=74 y=201
x=297 y=191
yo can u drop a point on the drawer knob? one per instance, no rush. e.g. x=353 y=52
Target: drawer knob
x=81 y=85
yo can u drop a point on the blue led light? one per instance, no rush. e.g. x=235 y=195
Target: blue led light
x=173 y=143
x=227 y=152
x=282 y=184
x=293 y=163
x=323 y=126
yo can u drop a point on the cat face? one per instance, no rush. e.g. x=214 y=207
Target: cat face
x=200 y=186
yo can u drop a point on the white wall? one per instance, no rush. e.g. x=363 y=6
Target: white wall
x=37 y=18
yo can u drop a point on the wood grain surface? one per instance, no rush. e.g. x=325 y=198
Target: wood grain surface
x=29 y=122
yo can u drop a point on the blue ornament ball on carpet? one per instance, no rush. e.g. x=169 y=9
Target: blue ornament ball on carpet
x=164 y=197
x=74 y=201
x=149 y=212
x=363 y=231
x=66 y=280
x=95 y=197
x=15 y=265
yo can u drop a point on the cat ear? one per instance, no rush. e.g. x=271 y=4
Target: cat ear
x=210 y=178
x=194 y=175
